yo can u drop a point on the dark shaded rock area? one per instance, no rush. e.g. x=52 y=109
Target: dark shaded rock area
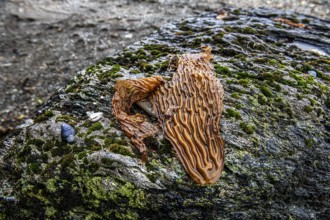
x=276 y=129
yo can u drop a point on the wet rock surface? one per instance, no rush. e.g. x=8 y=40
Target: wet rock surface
x=275 y=127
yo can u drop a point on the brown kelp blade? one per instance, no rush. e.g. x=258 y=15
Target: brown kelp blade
x=189 y=109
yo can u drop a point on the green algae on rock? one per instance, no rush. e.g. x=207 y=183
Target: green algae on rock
x=276 y=133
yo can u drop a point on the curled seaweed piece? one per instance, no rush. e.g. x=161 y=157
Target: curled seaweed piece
x=189 y=108
x=128 y=92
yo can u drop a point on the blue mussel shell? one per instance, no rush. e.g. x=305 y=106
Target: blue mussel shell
x=67 y=132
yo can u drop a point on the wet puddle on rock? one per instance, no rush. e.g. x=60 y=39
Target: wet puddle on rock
x=310 y=47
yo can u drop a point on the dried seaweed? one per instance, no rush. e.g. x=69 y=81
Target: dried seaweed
x=127 y=92
x=290 y=23
x=188 y=108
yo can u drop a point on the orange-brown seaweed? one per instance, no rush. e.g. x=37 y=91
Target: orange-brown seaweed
x=188 y=108
x=126 y=93
x=289 y=22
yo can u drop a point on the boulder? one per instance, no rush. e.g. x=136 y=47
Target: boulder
x=275 y=70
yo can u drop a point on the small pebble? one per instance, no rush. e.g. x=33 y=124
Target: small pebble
x=312 y=73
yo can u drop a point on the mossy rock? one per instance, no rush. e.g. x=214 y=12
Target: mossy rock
x=275 y=128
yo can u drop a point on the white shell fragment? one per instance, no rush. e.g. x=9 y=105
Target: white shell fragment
x=95 y=116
